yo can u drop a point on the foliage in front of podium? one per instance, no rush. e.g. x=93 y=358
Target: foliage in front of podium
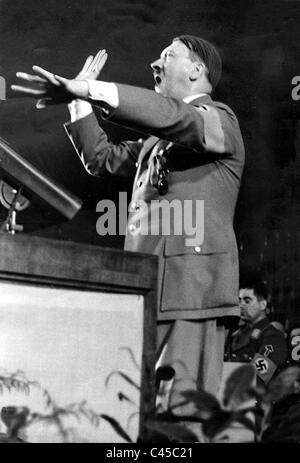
x=271 y=413
x=19 y=418
x=276 y=409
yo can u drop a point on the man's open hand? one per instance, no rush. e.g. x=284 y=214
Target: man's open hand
x=93 y=66
x=51 y=89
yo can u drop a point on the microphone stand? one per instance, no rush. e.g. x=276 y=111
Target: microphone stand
x=10 y=225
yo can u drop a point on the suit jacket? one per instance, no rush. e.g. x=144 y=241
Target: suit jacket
x=205 y=159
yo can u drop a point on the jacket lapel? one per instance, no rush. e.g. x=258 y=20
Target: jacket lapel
x=241 y=338
x=204 y=99
x=148 y=145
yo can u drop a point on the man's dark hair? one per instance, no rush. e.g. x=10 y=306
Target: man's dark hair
x=259 y=289
x=207 y=53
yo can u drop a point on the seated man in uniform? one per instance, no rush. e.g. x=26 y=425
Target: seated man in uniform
x=257 y=340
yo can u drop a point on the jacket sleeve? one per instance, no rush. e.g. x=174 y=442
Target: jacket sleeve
x=274 y=347
x=207 y=128
x=97 y=153
x=271 y=355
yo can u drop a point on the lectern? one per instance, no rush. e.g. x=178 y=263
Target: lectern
x=78 y=321
x=24 y=180
x=77 y=325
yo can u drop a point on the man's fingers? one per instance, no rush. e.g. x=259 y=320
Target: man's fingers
x=50 y=87
x=96 y=59
x=100 y=54
x=103 y=61
x=27 y=91
x=87 y=64
x=100 y=60
x=92 y=66
x=49 y=76
x=31 y=78
x=61 y=80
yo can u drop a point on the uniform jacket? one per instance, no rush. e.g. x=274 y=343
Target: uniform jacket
x=263 y=344
x=204 y=154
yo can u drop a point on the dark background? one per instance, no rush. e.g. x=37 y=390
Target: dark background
x=259 y=43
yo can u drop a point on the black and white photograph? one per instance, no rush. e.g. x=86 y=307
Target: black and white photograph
x=150 y=224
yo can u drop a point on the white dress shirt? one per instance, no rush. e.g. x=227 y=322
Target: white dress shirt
x=106 y=92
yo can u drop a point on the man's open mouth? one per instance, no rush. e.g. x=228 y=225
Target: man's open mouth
x=157 y=79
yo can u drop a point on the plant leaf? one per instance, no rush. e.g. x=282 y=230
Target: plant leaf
x=247 y=422
x=174 y=432
x=282 y=433
x=238 y=386
x=129 y=350
x=117 y=427
x=122 y=396
x=170 y=417
x=218 y=424
x=282 y=384
x=207 y=405
x=124 y=376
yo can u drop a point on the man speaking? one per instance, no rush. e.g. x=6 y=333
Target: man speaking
x=193 y=152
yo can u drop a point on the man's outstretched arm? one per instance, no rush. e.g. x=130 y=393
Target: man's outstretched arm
x=212 y=130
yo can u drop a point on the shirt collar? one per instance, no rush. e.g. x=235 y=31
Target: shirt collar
x=261 y=323
x=190 y=98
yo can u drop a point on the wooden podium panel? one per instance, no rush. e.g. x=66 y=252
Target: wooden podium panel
x=79 y=320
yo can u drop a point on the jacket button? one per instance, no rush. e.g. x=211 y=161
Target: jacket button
x=197 y=249
x=139 y=183
x=132 y=227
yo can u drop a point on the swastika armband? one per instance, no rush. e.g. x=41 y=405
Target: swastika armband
x=264 y=367
x=268 y=350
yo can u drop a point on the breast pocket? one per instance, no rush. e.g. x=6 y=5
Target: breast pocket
x=195 y=279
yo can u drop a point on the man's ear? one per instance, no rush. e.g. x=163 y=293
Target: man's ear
x=197 y=70
x=263 y=304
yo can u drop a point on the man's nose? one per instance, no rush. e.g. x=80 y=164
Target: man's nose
x=156 y=65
